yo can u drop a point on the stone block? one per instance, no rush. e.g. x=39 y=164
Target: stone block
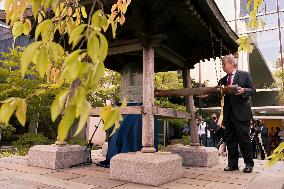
x=146 y=168
x=56 y=156
x=197 y=156
x=104 y=148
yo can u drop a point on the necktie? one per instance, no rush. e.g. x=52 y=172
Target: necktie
x=229 y=81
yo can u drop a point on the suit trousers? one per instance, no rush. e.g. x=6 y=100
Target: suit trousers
x=237 y=133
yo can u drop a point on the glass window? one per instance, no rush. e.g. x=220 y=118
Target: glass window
x=268 y=44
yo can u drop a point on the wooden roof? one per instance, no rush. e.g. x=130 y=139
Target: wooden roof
x=180 y=31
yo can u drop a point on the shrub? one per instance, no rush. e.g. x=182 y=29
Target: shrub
x=28 y=140
x=6 y=131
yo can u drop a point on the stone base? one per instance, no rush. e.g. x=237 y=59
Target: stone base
x=197 y=156
x=57 y=157
x=146 y=168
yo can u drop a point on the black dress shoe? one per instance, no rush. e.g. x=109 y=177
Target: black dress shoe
x=228 y=168
x=247 y=169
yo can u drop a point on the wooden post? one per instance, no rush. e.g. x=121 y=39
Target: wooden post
x=148 y=101
x=194 y=138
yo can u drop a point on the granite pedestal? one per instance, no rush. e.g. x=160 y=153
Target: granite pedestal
x=197 y=156
x=146 y=168
x=56 y=156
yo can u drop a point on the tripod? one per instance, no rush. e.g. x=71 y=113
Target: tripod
x=89 y=147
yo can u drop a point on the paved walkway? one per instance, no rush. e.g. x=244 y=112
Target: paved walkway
x=14 y=173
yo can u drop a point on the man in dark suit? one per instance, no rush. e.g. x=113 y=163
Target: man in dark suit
x=237 y=115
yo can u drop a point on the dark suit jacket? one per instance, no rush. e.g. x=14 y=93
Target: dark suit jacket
x=239 y=105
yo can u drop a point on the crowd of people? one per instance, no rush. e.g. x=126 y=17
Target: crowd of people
x=262 y=140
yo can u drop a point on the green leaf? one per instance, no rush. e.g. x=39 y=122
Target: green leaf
x=80 y=99
x=66 y=122
x=46 y=3
x=105 y=23
x=93 y=48
x=249 y=5
x=55 y=4
x=84 y=67
x=76 y=40
x=42 y=62
x=110 y=116
x=95 y=75
x=279 y=148
x=262 y=24
x=17 y=29
x=103 y=48
x=8 y=100
x=56 y=51
x=83 y=10
x=27 y=27
x=58 y=104
x=6 y=112
x=36 y=4
x=27 y=56
x=21 y=111
x=96 y=19
x=76 y=32
x=85 y=112
x=73 y=57
x=45 y=29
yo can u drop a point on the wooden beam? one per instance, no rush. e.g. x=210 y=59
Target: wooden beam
x=132 y=45
x=171 y=55
x=194 y=137
x=195 y=91
x=128 y=110
x=171 y=113
x=160 y=112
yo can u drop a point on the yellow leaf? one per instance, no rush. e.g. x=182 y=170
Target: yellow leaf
x=55 y=51
x=66 y=123
x=45 y=29
x=27 y=27
x=114 y=6
x=96 y=19
x=83 y=10
x=42 y=62
x=77 y=31
x=36 y=4
x=103 y=50
x=58 y=104
x=69 y=11
x=17 y=29
x=93 y=48
x=262 y=24
x=121 y=19
x=39 y=18
x=21 y=111
x=46 y=3
x=86 y=108
x=6 y=112
x=80 y=99
x=55 y=4
x=27 y=56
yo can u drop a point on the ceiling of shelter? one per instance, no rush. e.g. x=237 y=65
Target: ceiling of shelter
x=184 y=28
x=187 y=26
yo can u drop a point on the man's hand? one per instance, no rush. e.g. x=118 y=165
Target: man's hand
x=240 y=91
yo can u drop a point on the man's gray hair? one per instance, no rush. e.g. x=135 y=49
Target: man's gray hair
x=231 y=59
